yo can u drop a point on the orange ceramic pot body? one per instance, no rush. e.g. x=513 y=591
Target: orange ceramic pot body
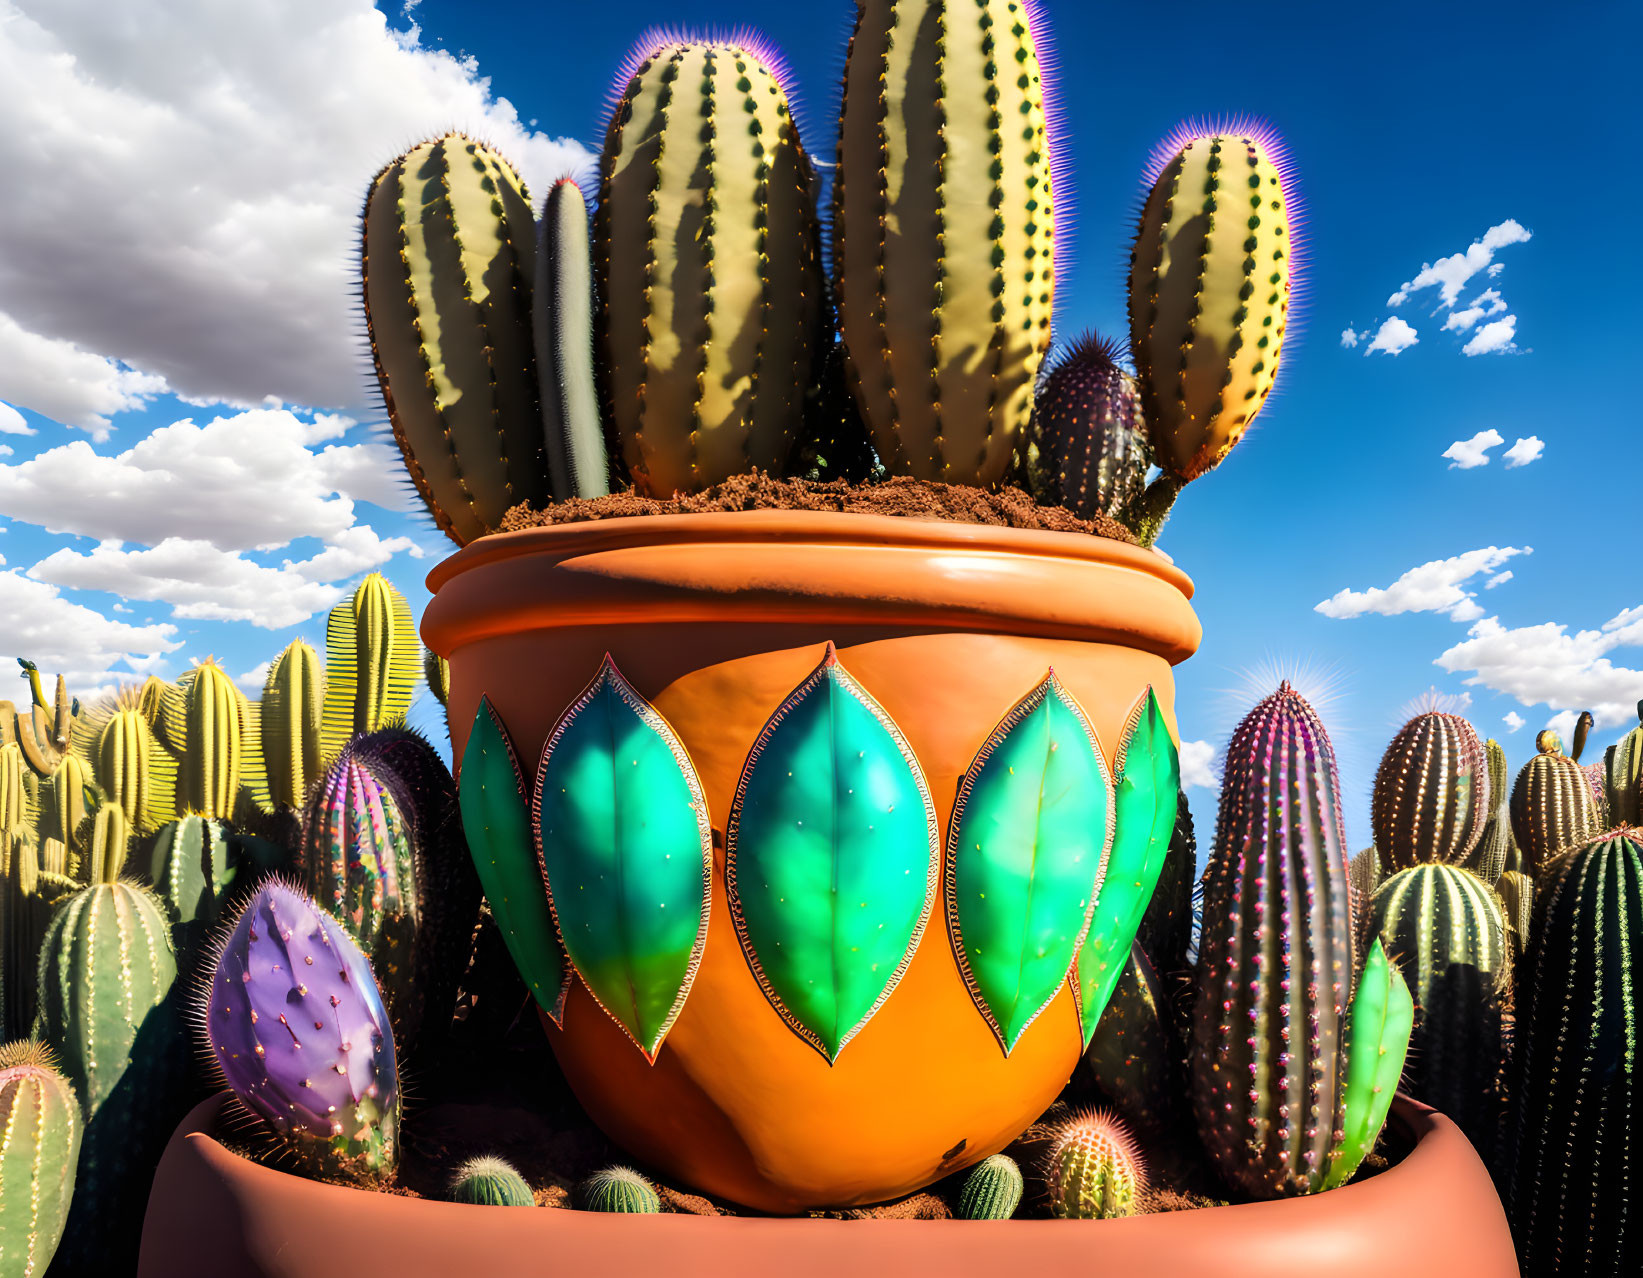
x=715 y=618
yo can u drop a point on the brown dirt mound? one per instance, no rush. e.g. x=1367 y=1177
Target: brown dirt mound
x=904 y=498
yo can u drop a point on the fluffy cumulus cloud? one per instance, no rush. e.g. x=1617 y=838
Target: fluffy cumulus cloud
x=1198 y=766
x=183 y=180
x=1393 y=337
x=1499 y=579
x=1350 y=337
x=1487 y=303
x=1467 y=454
x=1524 y=451
x=1493 y=338
x=78 y=642
x=1547 y=665
x=12 y=423
x=1513 y=720
x=1438 y=586
x=1450 y=275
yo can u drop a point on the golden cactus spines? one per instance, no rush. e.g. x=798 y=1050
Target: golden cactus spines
x=1432 y=795
x=133 y=768
x=293 y=701
x=1552 y=809
x=209 y=713
x=373 y=660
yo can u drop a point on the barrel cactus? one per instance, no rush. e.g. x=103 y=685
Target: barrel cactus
x=1432 y=793
x=1095 y=1169
x=619 y=1189
x=945 y=205
x=490 y=1182
x=40 y=1133
x=1275 y=959
x=992 y=1189
x=1552 y=808
x=1086 y=448
x=1568 y=1177
x=298 y=1031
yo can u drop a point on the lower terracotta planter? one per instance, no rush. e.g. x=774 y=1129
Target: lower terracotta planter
x=212 y=1212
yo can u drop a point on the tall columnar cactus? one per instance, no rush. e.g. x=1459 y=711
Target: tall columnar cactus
x=1275 y=958
x=293 y=700
x=208 y=715
x=992 y=1190
x=708 y=261
x=18 y=795
x=44 y=731
x=1517 y=907
x=1552 y=808
x=373 y=659
x=1209 y=297
x=67 y=799
x=109 y=844
x=945 y=209
x=1095 y=1170
x=33 y=881
x=1571 y=1183
x=40 y=1132
x=1623 y=775
x=189 y=866
x=1432 y=793
x=1443 y=928
x=1086 y=446
x=134 y=768
x=358 y=862
x=619 y=1189
x=297 y=1027
x=573 y=432
x=447 y=259
x=1488 y=856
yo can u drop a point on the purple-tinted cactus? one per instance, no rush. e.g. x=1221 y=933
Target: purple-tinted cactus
x=297 y=1026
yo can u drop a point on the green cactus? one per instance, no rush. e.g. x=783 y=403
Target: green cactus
x=1208 y=302
x=40 y=1132
x=619 y=1189
x=1134 y=1059
x=1095 y=1169
x=1489 y=855
x=490 y=1182
x=190 y=868
x=1567 y=1177
x=448 y=249
x=1086 y=447
x=1552 y=808
x=1443 y=928
x=992 y=1190
x=707 y=250
x=293 y=700
x=33 y=881
x=1432 y=793
x=1623 y=775
x=133 y=767
x=573 y=432
x=1165 y=933
x=373 y=659
x=1377 y=1043
x=210 y=719
x=1517 y=908
x=69 y=798
x=110 y=844
x=944 y=231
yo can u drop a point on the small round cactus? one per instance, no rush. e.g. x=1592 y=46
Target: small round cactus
x=992 y=1190
x=1096 y=1172
x=490 y=1182
x=619 y=1189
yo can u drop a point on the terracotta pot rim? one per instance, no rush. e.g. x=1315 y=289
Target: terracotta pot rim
x=843 y=528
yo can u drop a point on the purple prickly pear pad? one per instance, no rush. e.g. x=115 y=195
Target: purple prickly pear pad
x=297 y=1026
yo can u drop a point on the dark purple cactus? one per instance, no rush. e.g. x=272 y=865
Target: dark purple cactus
x=297 y=1026
x=1275 y=959
x=1086 y=446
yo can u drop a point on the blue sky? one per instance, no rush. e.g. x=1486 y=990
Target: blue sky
x=174 y=246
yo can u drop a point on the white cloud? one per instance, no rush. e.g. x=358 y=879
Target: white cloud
x=1495 y=336
x=1546 y=665
x=1350 y=338
x=6 y=450
x=1461 y=321
x=183 y=183
x=1393 y=337
x=1437 y=586
x=1523 y=452
x=1198 y=766
x=247 y=481
x=1467 y=454
x=254 y=679
x=1513 y=720
x=1490 y=301
x=1451 y=274
x=12 y=423
x=78 y=642
x=1499 y=579
x=1563 y=723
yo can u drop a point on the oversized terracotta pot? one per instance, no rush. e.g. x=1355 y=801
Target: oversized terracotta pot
x=1433 y=1214
x=715 y=619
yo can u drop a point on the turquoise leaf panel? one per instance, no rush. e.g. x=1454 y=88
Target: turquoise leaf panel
x=831 y=859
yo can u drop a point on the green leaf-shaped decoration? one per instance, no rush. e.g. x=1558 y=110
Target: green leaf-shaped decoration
x=1377 y=1039
x=831 y=857
x=622 y=829
x=1027 y=849
x=496 y=820
x=1148 y=786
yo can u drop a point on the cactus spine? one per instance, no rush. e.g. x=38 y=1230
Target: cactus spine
x=134 y=770
x=373 y=659
x=110 y=844
x=1488 y=857
x=1208 y=301
x=707 y=251
x=40 y=1131
x=490 y=1182
x=619 y=1189
x=1443 y=928
x=447 y=260
x=1086 y=449
x=1623 y=775
x=1432 y=793
x=1552 y=808
x=293 y=700
x=992 y=1190
x=1275 y=958
x=208 y=714
x=1095 y=1171
x=573 y=433
x=944 y=148
x=1517 y=908
x=1571 y=1188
